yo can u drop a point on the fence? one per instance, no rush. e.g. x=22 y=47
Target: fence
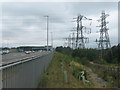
x=25 y=73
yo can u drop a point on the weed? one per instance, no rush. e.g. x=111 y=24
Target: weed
x=43 y=81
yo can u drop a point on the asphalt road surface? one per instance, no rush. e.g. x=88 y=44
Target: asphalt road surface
x=12 y=57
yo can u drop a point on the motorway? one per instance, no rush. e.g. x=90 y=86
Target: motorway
x=13 y=57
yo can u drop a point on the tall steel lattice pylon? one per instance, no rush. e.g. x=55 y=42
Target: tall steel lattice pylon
x=70 y=41
x=104 y=41
x=73 y=40
x=80 y=38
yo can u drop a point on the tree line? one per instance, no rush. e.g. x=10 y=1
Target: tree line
x=108 y=55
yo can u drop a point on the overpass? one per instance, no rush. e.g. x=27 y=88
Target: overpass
x=20 y=70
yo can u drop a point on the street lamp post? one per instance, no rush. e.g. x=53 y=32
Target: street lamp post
x=52 y=40
x=47 y=30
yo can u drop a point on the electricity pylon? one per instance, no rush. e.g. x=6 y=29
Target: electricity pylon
x=70 y=41
x=73 y=40
x=104 y=41
x=80 y=38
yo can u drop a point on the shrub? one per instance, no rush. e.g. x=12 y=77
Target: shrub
x=43 y=81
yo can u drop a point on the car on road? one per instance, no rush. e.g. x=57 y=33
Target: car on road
x=27 y=52
x=5 y=52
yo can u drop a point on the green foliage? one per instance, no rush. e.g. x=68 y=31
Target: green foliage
x=83 y=61
x=43 y=81
x=100 y=61
x=106 y=73
x=64 y=50
x=113 y=57
x=94 y=54
x=68 y=60
x=90 y=54
x=111 y=77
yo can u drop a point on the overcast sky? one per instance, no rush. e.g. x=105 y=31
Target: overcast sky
x=24 y=23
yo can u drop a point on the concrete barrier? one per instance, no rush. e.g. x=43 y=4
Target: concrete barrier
x=25 y=73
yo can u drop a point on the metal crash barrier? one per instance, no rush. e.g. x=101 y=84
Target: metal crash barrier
x=25 y=73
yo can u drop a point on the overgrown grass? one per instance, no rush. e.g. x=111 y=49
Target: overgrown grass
x=108 y=75
x=43 y=81
x=104 y=62
x=54 y=77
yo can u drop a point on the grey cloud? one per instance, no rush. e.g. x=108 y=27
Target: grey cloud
x=27 y=19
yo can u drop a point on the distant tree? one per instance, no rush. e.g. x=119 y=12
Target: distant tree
x=90 y=54
x=64 y=50
x=93 y=54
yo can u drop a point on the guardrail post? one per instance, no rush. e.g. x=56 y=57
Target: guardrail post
x=65 y=76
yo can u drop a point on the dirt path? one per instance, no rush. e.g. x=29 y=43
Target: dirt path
x=97 y=81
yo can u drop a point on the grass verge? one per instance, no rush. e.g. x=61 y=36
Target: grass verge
x=54 y=76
